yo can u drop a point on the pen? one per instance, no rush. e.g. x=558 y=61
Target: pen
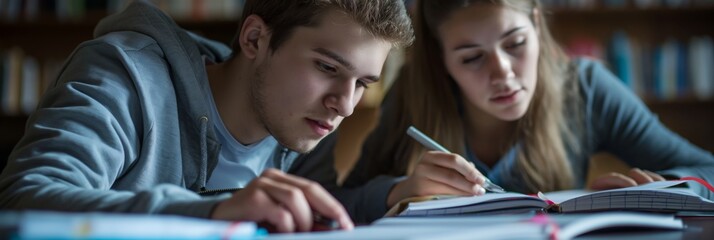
x=431 y=144
x=322 y=223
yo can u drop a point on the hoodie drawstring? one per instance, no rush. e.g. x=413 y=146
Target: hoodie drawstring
x=283 y=160
x=204 y=151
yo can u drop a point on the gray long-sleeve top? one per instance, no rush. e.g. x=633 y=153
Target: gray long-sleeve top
x=615 y=121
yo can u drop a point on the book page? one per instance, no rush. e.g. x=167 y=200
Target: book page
x=501 y=202
x=655 y=196
x=647 y=197
x=590 y=222
x=464 y=201
x=524 y=230
x=562 y=196
x=649 y=186
x=520 y=226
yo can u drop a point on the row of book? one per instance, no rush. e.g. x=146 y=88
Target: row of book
x=23 y=79
x=192 y=10
x=674 y=69
x=638 y=4
x=667 y=71
x=75 y=10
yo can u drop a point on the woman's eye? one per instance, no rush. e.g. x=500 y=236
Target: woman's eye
x=471 y=59
x=363 y=84
x=517 y=44
x=325 y=67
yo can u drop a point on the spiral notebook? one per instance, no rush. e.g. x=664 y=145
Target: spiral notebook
x=664 y=197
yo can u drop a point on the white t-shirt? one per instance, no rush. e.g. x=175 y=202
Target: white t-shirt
x=239 y=164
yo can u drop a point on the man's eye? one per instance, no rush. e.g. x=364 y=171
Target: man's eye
x=325 y=67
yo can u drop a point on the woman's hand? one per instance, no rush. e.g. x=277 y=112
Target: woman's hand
x=634 y=177
x=439 y=173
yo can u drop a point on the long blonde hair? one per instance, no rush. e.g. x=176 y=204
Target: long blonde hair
x=429 y=99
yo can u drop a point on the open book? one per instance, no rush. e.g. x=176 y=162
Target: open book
x=651 y=197
x=528 y=226
x=540 y=226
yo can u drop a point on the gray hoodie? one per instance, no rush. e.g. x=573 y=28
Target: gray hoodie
x=126 y=127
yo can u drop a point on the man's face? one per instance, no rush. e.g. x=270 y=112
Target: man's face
x=304 y=89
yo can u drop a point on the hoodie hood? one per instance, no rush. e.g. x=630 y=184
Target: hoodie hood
x=143 y=17
x=186 y=54
x=185 y=51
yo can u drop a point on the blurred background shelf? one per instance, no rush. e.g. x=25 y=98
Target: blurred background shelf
x=50 y=39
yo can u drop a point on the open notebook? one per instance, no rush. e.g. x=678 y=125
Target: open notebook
x=527 y=226
x=539 y=226
x=651 y=197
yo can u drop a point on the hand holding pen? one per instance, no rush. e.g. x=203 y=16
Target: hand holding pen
x=431 y=144
x=440 y=173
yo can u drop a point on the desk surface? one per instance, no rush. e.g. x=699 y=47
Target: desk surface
x=697 y=228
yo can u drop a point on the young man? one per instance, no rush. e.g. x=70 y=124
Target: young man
x=147 y=116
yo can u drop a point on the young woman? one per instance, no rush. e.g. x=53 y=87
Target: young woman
x=488 y=82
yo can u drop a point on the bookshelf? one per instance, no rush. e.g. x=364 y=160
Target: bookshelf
x=648 y=29
x=649 y=44
x=652 y=24
x=48 y=38
x=591 y=30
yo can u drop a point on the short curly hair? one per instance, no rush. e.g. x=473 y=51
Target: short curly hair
x=386 y=19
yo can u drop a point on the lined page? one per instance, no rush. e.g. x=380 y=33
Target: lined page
x=667 y=200
x=501 y=202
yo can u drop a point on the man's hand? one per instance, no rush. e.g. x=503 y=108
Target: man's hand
x=283 y=200
x=439 y=173
x=634 y=177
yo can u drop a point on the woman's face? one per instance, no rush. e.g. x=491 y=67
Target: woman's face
x=492 y=53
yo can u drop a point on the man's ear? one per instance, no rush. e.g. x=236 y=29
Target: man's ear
x=253 y=35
